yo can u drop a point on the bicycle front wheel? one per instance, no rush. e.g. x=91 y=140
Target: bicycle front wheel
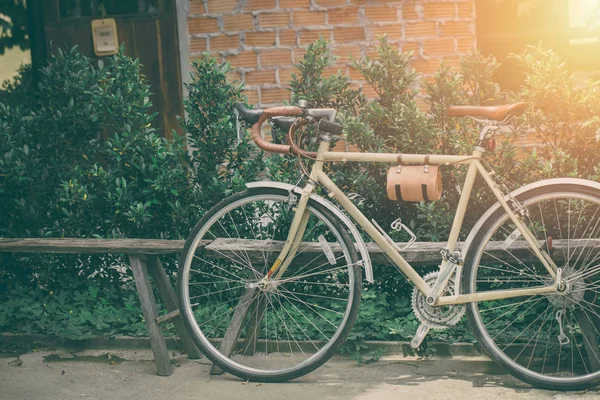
x=275 y=329
x=549 y=340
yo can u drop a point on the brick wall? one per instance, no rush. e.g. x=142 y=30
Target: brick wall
x=264 y=38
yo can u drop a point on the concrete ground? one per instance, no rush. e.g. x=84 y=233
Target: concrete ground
x=131 y=375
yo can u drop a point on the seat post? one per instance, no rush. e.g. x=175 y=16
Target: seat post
x=489 y=127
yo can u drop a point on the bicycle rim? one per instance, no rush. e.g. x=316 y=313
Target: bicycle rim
x=548 y=340
x=295 y=322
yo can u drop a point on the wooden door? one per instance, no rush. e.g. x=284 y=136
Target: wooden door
x=149 y=30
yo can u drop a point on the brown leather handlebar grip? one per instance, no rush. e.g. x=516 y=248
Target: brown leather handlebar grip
x=285 y=111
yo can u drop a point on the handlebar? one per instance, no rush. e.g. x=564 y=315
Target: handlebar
x=258 y=117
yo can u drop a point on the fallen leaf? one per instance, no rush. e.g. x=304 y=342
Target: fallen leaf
x=16 y=363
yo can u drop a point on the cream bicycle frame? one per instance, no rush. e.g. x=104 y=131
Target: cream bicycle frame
x=317 y=176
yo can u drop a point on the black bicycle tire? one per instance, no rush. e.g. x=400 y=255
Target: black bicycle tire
x=210 y=353
x=531 y=378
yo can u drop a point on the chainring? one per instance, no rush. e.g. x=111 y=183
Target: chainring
x=437 y=317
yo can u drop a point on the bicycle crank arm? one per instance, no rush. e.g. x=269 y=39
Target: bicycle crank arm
x=422 y=331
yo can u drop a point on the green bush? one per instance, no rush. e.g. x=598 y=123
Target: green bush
x=220 y=163
x=393 y=123
x=78 y=157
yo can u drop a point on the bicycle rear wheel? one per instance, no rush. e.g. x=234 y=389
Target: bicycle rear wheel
x=549 y=340
x=288 y=326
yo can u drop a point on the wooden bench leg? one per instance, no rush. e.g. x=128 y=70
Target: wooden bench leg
x=157 y=340
x=258 y=310
x=235 y=327
x=167 y=294
x=589 y=339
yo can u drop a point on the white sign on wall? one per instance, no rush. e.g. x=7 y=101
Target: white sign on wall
x=106 y=42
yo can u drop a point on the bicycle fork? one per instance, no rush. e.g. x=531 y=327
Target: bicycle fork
x=300 y=220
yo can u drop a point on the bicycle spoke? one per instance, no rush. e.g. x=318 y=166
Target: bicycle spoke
x=291 y=322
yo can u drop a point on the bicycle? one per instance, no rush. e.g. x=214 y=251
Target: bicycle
x=270 y=278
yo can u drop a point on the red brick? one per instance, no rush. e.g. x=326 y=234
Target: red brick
x=308 y=18
x=461 y=28
x=426 y=67
x=260 y=77
x=272 y=96
x=294 y=3
x=260 y=39
x=198 y=45
x=348 y=34
x=411 y=46
x=197 y=7
x=274 y=20
x=420 y=29
x=203 y=25
x=354 y=74
x=465 y=45
x=224 y=42
x=256 y=5
x=440 y=10
x=465 y=10
x=422 y=106
x=369 y=91
x=288 y=37
x=238 y=22
x=275 y=58
x=285 y=75
x=340 y=16
x=438 y=47
x=299 y=54
x=334 y=69
x=234 y=76
x=381 y=13
x=309 y=36
x=409 y=11
x=452 y=61
x=330 y=3
x=252 y=96
x=245 y=59
x=372 y=52
x=393 y=31
x=221 y=6
x=344 y=51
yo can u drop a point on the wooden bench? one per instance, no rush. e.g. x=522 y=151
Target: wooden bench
x=144 y=259
x=143 y=256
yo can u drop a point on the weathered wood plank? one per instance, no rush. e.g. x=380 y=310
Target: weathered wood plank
x=170 y=300
x=92 y=246
x=589 y=338
x=161 y=319
x=259 y=307
x=419 y=254
x=148 y=303
x=235 y=327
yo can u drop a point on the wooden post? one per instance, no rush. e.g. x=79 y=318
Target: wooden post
x=167 y=293
x=589 y=339
x=157 y=340
x=37 y=37
x=235 y=327
x=590 y=325
x=258 y=310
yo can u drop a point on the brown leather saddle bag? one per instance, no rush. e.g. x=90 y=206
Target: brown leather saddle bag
x=414 y=182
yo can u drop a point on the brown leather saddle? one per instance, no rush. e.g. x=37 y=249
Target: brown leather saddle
x=497 y=113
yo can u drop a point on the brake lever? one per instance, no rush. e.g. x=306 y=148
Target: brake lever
x=238 y=126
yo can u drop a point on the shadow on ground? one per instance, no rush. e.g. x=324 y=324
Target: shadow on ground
x=63 y=375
